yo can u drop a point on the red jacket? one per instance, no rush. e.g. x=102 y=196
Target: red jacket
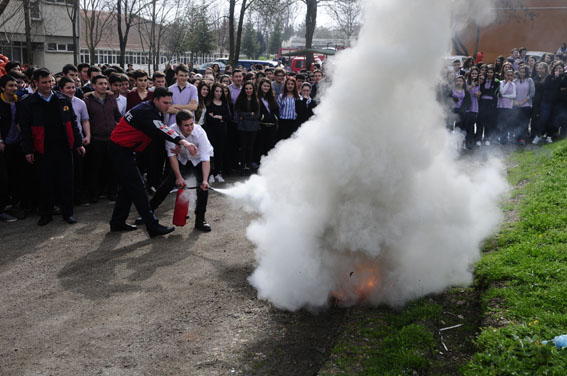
x=139 y=125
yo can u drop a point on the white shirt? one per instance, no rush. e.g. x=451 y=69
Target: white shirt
x=121 y=101
x=198 y=138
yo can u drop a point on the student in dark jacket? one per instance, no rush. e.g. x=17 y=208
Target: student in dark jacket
x=486 y=120
x=217 y=118
x=103 y=117
x=542 y=71
x=305 y=104
x=49 y=135
x=269 y=117
x=247 y=108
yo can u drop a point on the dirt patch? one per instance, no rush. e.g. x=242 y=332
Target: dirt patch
x=78 y=300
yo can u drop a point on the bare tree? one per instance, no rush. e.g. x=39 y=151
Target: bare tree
x=235 y=35
x=346 y=14
x=97 y=16
x=153 y=26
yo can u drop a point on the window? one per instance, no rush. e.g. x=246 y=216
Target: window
x=61 y=47
x=37 y=46
x=35 y=13
x=70 y=47
x=51 y=46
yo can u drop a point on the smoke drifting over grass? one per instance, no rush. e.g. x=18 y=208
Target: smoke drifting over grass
x=369 y=200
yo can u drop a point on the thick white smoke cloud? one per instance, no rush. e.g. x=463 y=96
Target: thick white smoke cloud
x=369 y=199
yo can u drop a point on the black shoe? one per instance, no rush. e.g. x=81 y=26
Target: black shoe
x=159 y=230
x=70 y=219
x=44 y=220
x=122 y=227
x=203 y=226
x=138 y=221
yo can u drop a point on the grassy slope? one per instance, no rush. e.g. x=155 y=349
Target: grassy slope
x=524 y=274
x=522 y=281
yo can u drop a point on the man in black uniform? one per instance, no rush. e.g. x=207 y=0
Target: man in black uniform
x=132 y=134
x=49 y=136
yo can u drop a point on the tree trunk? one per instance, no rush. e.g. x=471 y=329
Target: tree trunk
x=310 y=23
x=239 y=32
x=231 y=39
x=476 y=44
x=75 y=14
x=27 y=28
x=121 y=41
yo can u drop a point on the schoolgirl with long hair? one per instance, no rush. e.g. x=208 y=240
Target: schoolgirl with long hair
x=462 y=103
x=486 y=120
x=269 y=117
x=525 y=91
x=542 y=71
x=506 y=97
x=217 y=119
x=203 y=91
x=286 y=103
x=247 y=107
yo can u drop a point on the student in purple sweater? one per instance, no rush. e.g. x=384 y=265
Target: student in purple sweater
x=525 y=91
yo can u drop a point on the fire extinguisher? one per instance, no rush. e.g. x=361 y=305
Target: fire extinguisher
x=181 y=207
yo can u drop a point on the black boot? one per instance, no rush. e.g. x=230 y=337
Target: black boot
x=202 y=225
x=159 y=230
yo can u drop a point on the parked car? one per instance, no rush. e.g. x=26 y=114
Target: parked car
x=538 y=54
x=248 y=63
x=448 y=60
x=201 y=68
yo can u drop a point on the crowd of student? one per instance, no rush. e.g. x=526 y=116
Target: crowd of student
x=56 y=128
x=518 y=99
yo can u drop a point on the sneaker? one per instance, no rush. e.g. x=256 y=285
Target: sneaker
x=536 y=140
x=487 y=143
x=219 y=178
x=5 y=217
x=211 y=179
x=548 y=140
x=478 y=144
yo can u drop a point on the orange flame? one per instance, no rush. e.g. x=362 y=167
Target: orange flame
x=359 y=285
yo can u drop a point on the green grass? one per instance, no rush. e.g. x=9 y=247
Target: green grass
x=382 y=341
x=525 y=273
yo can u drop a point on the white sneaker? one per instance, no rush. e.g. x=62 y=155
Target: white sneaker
x=536 y=140
x=487 y=143
x=478 y=144
x=211 y=179
x=548 y=140
x=219 y=178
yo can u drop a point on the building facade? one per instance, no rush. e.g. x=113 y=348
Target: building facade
x=51 y=33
